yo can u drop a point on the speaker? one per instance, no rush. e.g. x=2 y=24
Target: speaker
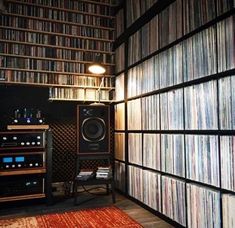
x=93 y=129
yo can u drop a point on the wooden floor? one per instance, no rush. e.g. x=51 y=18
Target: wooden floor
x=144 y=217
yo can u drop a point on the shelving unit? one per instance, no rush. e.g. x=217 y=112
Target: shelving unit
x=51 y=45
x=178 y=72
x=25 y=163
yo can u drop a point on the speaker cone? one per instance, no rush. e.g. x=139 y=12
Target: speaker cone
x=93 y=129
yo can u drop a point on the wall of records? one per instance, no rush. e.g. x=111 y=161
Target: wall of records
x=175 y=109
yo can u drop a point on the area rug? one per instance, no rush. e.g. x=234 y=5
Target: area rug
x=106 y=217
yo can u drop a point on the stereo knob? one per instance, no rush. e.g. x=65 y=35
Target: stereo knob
x=33 y=143
x=4 y=138
x=22 y=143
x=19 y=165
x=27 y=143
x=7 y=166
x=13 y=166
x=38 y=143
x=38 y=137
x=14 y=138
x=30 y=165
x=36 y=164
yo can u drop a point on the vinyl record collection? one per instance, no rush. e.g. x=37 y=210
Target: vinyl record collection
x=151 y=151
x=119 y=175
x=172 y=154
x=202 y=156
x=120 y=24
x=227 y=144
x=203 y=207
x=173 y=199
x=227 y=103
x=201 y=106
x=135 y=148
x=120 y=58
x=180 y=74
x=119 y=112
x=228 y=210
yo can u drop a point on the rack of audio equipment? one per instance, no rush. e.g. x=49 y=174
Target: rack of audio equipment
x=25 y=164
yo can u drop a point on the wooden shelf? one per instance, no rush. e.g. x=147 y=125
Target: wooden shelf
x=52 y=59
x=56 y=72
x=57 y=46
x=54 y=85
x=23 y=172
x=82 y=100
x=57 y=34
x=62 y=9
x=22 y=197
x=27 y=127
x=57 y=21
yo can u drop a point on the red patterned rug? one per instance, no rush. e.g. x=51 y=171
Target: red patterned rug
x=91 y=218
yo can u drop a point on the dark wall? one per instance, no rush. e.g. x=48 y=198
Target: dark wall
x=61 y=117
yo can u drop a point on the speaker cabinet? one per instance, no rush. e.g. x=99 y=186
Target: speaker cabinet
x=93 y=129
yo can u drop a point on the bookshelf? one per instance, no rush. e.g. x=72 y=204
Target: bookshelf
x=178 y=99
x=51 y=44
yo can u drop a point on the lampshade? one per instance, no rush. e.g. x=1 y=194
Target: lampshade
x=96 y=69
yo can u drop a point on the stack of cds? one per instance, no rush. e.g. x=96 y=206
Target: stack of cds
x=85 y=175
x=104 y=173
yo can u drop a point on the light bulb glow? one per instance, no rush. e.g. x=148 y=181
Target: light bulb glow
x=96 y=69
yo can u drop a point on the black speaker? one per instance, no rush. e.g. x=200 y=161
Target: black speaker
x=93 y=129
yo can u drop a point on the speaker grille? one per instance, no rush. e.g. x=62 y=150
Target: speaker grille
x=93 y=129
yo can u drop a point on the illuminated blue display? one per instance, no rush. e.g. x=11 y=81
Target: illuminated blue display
x=19 y=159
x=7 y=160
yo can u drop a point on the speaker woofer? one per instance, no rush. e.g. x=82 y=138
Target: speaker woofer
x=93 y=129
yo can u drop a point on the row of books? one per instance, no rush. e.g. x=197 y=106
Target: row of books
x=197 y=155
x=53 y=42
x=119 y=116
x=119 y=176
x=202 y=159
x=58 y=14
x=120 y=58
x=203 y=203
x=25 y=33
x=67 y=4
x=227 y=145
x=51 y=52
x=57 y=79
x=34 y=23
x=120 y=87
x=79 y=94
x=135 y=8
